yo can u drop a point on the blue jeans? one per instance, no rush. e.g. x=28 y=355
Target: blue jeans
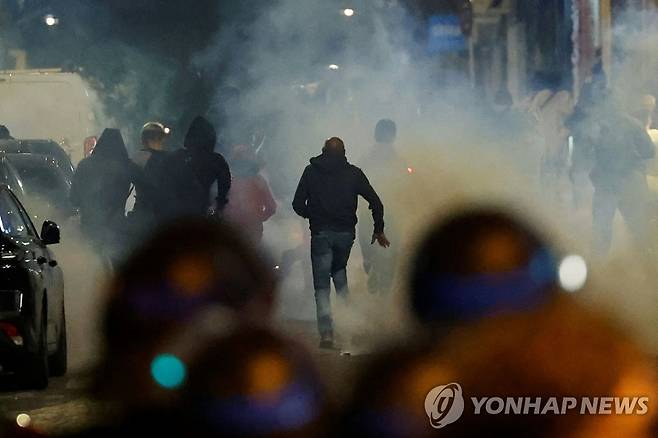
x=330 y=251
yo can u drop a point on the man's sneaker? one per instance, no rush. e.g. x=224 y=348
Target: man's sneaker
x=327 y=340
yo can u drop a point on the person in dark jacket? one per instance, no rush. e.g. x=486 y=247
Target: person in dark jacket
x=152 y=139
x=189 y=174
x=619 y=178
x=100 y=187
x=327 y=196
x=151 y=159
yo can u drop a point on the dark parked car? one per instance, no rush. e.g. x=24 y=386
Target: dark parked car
x=48 y=148
x=46 y=186
x=32 y=318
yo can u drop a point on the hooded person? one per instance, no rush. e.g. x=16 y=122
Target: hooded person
x=189 y=174
x=100 y=187
x=327 y=195
x=250 y=200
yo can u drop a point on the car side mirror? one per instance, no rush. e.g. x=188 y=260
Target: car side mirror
x=50 y=233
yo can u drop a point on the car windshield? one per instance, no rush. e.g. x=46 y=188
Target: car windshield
x=43 y=180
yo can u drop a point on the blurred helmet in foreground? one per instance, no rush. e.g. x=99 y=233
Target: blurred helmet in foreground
x=186 y=267
x=516 y=366
x=254 y=382
x=478 y=263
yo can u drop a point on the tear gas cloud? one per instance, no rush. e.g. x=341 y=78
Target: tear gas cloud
x=307 y=72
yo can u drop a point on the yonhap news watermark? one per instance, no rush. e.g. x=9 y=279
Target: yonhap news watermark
x=446 y=404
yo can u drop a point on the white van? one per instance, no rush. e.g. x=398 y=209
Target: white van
x=49 y=104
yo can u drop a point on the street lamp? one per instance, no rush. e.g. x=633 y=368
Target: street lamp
x=50 y=20
x=348 y=12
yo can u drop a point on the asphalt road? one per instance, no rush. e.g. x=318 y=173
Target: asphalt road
x=60 y=408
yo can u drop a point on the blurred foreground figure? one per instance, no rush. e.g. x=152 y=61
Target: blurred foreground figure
x=186 y=267
x=619 y=176
x=100 y=187
x=327 y=195
x=384 y=167
x=549 y=362
x=188 y=175
x=254 y=383
x=478 y=263
x=250 y=200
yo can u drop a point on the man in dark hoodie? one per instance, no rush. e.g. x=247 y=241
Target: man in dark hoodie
x=100 y=187
x=189 y=174
x=327 y=196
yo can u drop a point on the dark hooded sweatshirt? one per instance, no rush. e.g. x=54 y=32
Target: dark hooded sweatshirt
x=189 y=173
x=101 y=184
x=328 y=193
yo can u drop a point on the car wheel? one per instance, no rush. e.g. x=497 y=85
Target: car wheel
x=58 y=361
x=36 y=370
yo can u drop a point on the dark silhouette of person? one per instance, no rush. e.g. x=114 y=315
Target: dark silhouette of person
x=621 y=150
x=151 y=196
x=100 y=187
x=188 y=175
x=327 y=195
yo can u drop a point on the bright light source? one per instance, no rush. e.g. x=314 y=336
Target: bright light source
x=167 y=130
x=572 y=273
x=348 y=12
x=23 y=420
x=333 y=67
x=50 y=20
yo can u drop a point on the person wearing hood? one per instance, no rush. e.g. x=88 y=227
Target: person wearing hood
x=100 y=187
x=327 y=195
x=188 y=174
x=250 y=200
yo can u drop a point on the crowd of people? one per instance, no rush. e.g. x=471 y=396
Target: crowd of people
x=594 y=155
x=191 y=344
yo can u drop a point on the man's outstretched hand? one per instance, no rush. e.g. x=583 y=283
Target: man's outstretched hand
x=381 y=240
